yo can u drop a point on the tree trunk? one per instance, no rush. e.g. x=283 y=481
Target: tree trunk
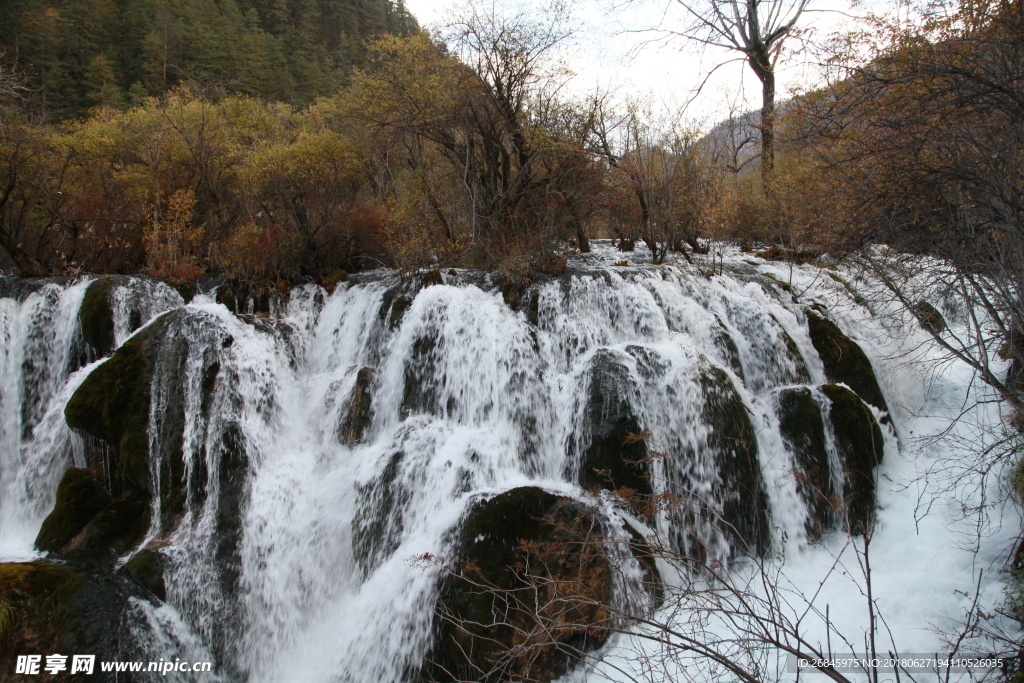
x=767 y=77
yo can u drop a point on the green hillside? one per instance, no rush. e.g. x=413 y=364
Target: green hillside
x=76 y=54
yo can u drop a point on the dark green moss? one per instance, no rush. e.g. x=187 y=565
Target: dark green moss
x=68 y=609
x=147 y=567
x=524 y=527
x=187 y=291
x=400 y=305
x=38 y=596
x=725 y=343
x=802 y=374
x=511 y=292
x=331 y=282
x=118 y=527
x=779 y=283
x=96 y=318
x=860 y=443
x=844 y=361
x=857 y=298
x=803 y=429
x=79 y=498
x=616 y=456
x=112 y=404
x=732 y=438
x=356 y=417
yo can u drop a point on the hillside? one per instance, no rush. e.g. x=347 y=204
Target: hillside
x=76 y=54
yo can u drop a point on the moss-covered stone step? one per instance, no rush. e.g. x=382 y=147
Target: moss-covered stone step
x=845 y=362
x=516 y=550
x=859 y=443
x=803 y=429
x=87 y=521
x=616 y=457
x=47 y=608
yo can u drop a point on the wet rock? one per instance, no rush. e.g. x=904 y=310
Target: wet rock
x=727 y=346
x=96 y=318
x=732 y=439
x=860 y=443
x=233 y=476
x=379 y=520
x=803 y=429
x=112 y=405
x=504 y=541
x=357 y=411
x=420 y=394
x=433 y=277
x=87 y=523
x=617 y=455
x=79 y=498
x=844 y=361
x=47 y=609
x=929 y=317
x=147 y=567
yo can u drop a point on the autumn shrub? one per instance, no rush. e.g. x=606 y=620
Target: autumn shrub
x=174 y=241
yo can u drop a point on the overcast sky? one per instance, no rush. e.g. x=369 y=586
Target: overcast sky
x=612 y=50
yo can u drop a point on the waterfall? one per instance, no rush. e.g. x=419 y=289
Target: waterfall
x=299 y=462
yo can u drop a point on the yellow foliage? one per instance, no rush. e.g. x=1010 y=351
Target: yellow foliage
x=172 y=240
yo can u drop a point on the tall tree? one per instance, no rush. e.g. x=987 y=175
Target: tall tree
x=758 y=30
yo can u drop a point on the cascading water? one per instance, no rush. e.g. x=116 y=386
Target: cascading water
x=298 y=463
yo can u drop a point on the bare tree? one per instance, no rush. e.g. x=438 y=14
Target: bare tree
x=757 y=29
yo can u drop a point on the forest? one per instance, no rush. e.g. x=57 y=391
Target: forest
x=297 y=140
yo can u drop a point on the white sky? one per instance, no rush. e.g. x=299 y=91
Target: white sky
x=613 y=51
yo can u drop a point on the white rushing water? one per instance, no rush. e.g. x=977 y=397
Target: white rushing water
x=291 y=557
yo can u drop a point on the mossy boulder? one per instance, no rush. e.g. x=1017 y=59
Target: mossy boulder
x=929 y=317
x=617 y=455
x=380 y=515
x=803 y=430
x=79 y=499
x=47 y=609
x=733 y=441
x=96 y=318
x=115 y=529
x=147 y=567
x=87 y=522
x=112 y=404
x=844 y=361
x=433 y=277
x=725 y=343
x=357 y=412
x=860 y=443
x=522 y=545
